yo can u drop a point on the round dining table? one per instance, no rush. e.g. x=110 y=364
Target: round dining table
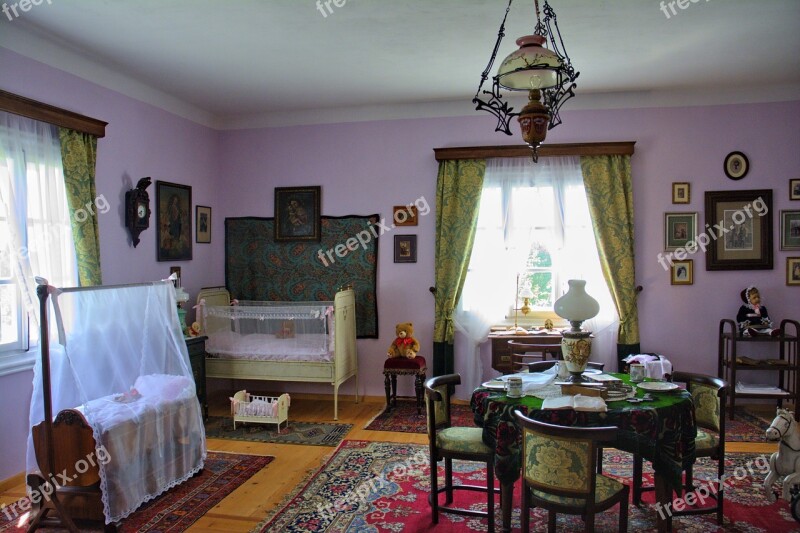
x=661 y=430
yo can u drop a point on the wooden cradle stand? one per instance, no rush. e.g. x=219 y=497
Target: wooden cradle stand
x=342 y=366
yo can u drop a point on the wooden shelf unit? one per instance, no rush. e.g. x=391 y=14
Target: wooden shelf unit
x=788 y=373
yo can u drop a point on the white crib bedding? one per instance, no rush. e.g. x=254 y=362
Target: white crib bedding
x=312 y=347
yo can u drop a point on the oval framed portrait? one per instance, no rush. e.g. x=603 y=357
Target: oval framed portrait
x=736 y=165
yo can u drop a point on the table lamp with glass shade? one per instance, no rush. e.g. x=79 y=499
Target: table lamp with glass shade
x=576 y=343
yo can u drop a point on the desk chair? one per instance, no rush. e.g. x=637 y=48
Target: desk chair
x=525 y=352
x=569 y=484
x=448 y=443
x=708 y=395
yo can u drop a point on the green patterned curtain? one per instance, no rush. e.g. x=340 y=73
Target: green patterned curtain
x=607 y=179
x=79 y=155
x=458 y=196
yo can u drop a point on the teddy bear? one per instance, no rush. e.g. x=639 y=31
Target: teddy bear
x=405 y=345
x=286 y=330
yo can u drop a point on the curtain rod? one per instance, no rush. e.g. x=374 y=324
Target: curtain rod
x=546 y=150
x=19 y=105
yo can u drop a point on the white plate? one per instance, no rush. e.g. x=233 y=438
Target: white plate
x=657 y=386
x=590 y=371
x=494 y=385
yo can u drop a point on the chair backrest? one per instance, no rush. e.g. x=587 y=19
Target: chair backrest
x=708 y=394
x=541 y=366
x=561 y=460
x=437 y=401
x=524 y=352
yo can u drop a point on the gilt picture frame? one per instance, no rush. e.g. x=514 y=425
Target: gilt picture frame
x=793 y=271
x=174 y=208
x=682 y=272
x=739 y=230
x=298 y=214
x=681 y=193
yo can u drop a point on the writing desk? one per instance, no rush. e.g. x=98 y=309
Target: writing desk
x=662 y=431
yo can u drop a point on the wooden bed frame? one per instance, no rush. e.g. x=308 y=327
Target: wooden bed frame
x=342 y=367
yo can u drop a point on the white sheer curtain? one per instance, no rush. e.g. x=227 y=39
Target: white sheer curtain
x=33 y=205
x=524 y=202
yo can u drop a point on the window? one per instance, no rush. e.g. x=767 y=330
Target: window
x=534 y=233
x=35 y=232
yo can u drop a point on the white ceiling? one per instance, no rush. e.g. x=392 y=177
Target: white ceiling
x=242 y=63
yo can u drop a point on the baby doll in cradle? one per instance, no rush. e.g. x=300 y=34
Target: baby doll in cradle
x=753 y=318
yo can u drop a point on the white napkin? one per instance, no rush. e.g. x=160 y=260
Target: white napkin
x=658 y=369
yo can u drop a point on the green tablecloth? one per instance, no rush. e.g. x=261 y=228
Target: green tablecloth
x=662 y=431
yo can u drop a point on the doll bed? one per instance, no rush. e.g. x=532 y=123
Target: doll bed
x=237 y=349
x=246 y=407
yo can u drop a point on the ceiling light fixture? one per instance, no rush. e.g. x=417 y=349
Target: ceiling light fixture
x=546 y=73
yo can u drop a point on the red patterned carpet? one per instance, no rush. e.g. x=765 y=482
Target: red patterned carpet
x=180 y=507
x=383 y=487
x=404 y=418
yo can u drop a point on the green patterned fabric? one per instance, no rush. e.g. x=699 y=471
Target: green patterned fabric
x=258 y=268
x=605 y=488
x=557 y=462
x=462 y=439
x=79 y=158
x=706 y=405
x=458 y=195
x=609 y=190
x=705 y=442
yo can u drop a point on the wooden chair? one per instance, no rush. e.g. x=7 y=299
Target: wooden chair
x=709 y=397
x=525 y=352
x=448 y=443
x=568 y=484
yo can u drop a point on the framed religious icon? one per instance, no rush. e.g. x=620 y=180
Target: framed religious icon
x=679 y=230
x=297 y=214
x=738 y=232
x=202 y=216
x=682 y=272
x=736 y=165
x=793 y=270
x=405 y=248
x=174 y=209
x=680 y=193
x=790 y=230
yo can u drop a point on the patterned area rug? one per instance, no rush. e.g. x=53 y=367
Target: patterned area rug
x=383 y=487
x=746 y=426
x=307 y=433
x=404 y=418
x=180 y=507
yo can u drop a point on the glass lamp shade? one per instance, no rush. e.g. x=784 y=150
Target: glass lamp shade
x=526 y=293
x=576 y=306
x=530 y=67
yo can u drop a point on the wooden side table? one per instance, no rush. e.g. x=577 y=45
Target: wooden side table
x=501 y=353
x=401 y=366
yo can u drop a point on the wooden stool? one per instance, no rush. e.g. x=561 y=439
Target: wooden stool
x=402 y=366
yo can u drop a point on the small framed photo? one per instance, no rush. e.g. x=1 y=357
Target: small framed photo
x=682 y=272
x=174 y=208
x=679 y=229
x=202 y=217
x=405 y=215
x=297 y=214
x=790 y=230
x=794 y=189
x=405 y=248
x=793 y=270
x=736 y=165
x=680 y=193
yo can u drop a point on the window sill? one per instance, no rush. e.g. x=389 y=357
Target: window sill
x=14 y=362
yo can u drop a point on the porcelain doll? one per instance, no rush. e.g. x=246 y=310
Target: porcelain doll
x=753 y=317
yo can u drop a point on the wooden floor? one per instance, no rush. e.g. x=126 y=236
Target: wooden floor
x=243 y=509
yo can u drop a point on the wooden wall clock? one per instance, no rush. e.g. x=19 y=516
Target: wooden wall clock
x=137 y=209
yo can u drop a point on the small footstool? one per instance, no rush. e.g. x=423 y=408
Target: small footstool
x=402 y=366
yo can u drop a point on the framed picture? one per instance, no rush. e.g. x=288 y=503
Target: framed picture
x=174 y=208
x=405 y=215
x=202 y=216
x=680 y=193
x=405 y=248
x=297 y=213
x=682 y=272
x=738 y=230
x=679 y=230
x=736 y=165
x=793 y=270
x=794 y=189
x=790 y=230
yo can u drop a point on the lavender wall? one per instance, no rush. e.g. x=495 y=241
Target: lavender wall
x=140 y=141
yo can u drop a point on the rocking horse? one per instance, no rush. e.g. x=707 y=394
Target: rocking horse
x=786 y=461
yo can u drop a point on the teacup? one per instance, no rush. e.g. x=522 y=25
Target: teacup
x=514 y=388
x=637 y=373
